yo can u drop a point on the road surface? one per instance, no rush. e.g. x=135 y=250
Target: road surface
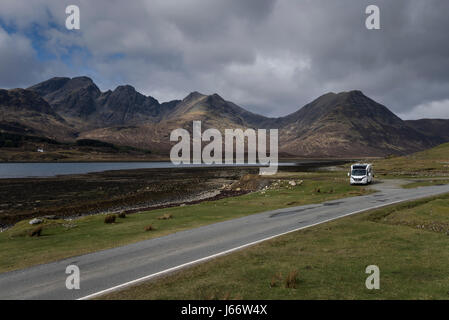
x=113 y=269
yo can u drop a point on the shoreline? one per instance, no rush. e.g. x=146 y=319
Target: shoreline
x=281 y=160
x=130 y=190
x=99 y=192
x=47 y=172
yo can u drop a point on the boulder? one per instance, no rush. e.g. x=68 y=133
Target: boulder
x=35 y=221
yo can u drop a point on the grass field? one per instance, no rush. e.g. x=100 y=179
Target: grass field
x=425 y=183
x=408 y=242
x=429 y=163
x=62 y=239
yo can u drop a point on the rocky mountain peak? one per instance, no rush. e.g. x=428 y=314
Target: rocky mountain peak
x=195 y=95
x=125 y=88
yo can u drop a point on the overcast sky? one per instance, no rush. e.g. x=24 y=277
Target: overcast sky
x=268 y=56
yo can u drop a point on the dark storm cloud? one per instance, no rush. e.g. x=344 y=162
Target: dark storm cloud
x=269 y=56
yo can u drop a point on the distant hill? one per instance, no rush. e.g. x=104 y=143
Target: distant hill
x=69 y=97
x=213 y=111
x=25 y=112
x=429 y=163
x=83 y=105
x=346 y=124
x=350 y=123
x=431 y=127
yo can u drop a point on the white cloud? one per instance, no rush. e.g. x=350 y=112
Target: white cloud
x=430 y=110
x=17 y=62
x=280 y=68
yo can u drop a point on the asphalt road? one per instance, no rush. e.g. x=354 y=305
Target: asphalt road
x=116 y=268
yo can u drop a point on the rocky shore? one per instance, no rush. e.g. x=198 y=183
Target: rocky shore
x=114 y=191
x=72 y=196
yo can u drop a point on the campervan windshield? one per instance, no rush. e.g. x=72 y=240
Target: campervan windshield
x=358 y=172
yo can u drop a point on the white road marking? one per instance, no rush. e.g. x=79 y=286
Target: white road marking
x=129 y=283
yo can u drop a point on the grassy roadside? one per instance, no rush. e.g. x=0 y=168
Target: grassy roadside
x=407 y=241
x=425 y=183
x=429 y=163
x=62 y=239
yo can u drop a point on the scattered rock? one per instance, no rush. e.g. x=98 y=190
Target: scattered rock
x=122 y=215
x=292 y=183
x=36 y=231
x=110 y=218
x=35 y=221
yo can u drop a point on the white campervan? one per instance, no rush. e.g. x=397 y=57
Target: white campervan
x=361 y=173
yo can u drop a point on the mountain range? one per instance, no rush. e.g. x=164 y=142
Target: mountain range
x=345 y=124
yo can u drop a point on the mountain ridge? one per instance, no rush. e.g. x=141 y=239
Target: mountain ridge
x=334 y=124
x=25 y=112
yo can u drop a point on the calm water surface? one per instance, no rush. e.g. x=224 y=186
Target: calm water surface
x=23 y=170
